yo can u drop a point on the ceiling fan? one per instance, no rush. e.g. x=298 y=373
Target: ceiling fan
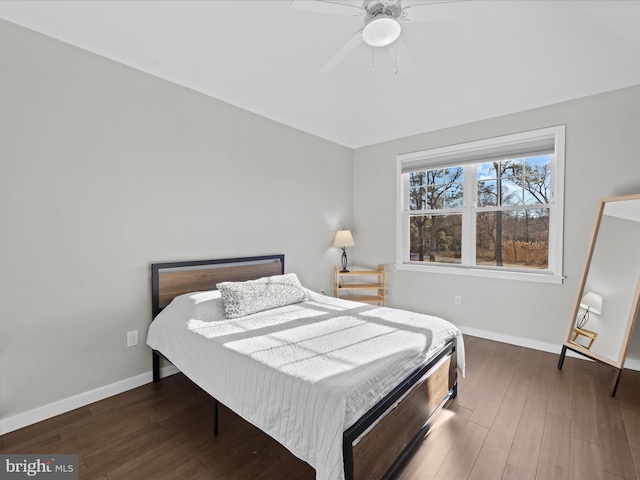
x=382 y=24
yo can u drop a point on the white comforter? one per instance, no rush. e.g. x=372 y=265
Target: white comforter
x=302 y=373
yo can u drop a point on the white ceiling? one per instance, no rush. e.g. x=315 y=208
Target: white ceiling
x=477 y=59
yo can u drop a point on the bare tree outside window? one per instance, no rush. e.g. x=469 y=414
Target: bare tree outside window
x=511 y=229
x=511 y=214
x=436 y=231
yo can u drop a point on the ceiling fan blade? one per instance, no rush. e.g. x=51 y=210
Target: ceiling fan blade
x=346 y=9
x=402 y=57
x=343 y=52
x=434 y=12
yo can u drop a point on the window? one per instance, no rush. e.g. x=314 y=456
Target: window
x=487 y=208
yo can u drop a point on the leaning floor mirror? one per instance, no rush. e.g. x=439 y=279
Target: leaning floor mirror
x=608 y=296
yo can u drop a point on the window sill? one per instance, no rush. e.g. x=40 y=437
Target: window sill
x=482 y=272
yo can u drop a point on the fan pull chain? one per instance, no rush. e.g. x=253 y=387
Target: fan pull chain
x=373 y=61
x=396 y=58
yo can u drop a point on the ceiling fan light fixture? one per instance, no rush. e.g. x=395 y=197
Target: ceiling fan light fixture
x=381 y=31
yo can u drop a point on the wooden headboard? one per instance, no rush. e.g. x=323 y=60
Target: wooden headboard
x=168 y=280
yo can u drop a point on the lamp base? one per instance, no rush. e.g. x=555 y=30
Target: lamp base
x=344 y=261
x=583 y=319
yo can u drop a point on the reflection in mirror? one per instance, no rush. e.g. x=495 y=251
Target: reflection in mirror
x=607 y=302
x=613 y=274
x=590 y=303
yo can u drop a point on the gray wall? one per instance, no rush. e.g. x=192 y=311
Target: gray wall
x=602 y=160
x=103 y=170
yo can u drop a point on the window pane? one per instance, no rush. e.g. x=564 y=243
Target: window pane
x=486 y=171
x=517 y=238
x=531 y=199
x=417 y=191
x=538 y=162
x=487 y=196
x=537 y=180
x=435 y=238
x=435 y=177
x=510 y=168
x=515 y=182
x=435 y=196
x=454 y=175
x=453 y=196
x=511 y=191
x=454 y=179
x=436 y=189
x=490 y=190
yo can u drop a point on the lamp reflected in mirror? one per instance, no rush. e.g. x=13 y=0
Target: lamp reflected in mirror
x=590 y=303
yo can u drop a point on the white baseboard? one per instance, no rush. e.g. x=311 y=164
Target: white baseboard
x=66 y=405
x=630 y=363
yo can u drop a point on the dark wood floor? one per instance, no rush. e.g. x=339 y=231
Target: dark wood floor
x=516 y=417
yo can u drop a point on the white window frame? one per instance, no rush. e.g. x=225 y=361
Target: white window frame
x=479 y=152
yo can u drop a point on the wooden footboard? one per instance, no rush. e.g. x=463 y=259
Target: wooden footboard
x=376 y=446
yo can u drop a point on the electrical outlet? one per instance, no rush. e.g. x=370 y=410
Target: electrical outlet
x=132 y=338
x=457 y=300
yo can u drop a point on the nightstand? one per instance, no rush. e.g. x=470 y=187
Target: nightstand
x=583 y=332
x=371 y=290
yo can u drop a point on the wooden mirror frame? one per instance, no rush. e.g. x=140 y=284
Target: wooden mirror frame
x=617 y=364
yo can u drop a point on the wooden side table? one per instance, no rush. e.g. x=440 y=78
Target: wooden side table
x=583 y=332
x=376 y=289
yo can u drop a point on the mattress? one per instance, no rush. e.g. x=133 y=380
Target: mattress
x=302 y=373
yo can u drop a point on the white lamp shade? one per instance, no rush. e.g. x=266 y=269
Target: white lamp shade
x=381 y=31
x=592 y=302
x=343 y=239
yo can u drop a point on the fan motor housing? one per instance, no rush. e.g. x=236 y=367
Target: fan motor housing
x=389 y=8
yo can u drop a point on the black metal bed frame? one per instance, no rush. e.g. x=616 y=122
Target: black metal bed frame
x=371 y=416
x=156 y=308
x=378 y=411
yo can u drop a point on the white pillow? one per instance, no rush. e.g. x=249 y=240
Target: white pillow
x=245 y=298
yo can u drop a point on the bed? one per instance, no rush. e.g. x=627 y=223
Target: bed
x=349 y=388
